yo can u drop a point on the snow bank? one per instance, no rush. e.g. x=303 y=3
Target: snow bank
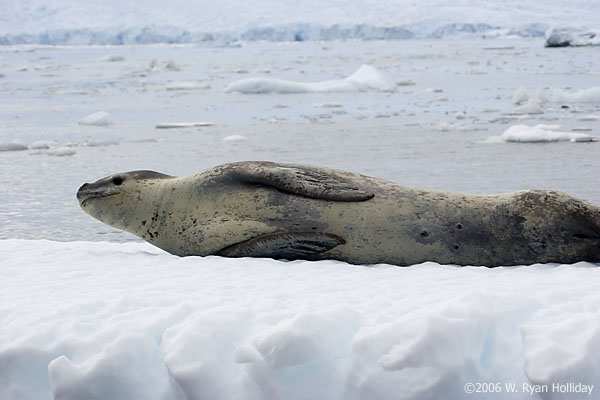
x=591 y=95
x=540 y=133
x=127 y=321
x=365 y=78
x=100 y=118
x=565 y=37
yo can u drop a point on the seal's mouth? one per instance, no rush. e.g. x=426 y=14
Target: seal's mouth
x=85 y=193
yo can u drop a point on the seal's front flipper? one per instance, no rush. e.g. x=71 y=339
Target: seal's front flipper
x=288 y=245
x=302 y=180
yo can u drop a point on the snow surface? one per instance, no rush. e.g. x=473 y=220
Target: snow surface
x=364 y=78
x=117 y=22
x=85 y=320
x=540 y=133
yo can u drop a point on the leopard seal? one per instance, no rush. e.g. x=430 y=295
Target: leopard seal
x=293 y=211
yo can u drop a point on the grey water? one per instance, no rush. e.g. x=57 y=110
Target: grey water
x=411 y=135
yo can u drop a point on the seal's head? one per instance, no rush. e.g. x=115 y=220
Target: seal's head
x=114 y=199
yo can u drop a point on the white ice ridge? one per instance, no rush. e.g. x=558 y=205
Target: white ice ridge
x=110 y=321
x=365 y=78
x=540 y=133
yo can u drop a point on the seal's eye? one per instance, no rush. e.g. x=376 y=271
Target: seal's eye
x=117 y=180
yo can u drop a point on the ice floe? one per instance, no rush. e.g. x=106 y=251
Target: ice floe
x=112 y=58
x=62 y=152
x=531 y=106
x=187 y=86
x=540 y=133
x=589 y=117
x=566 y=37
x=12 y=147
x=365 y=78
x=234 y=138
x=590 y=96
x=100 y=118
x=175 y=125
x=328 y=105
x=520 y=95
x=42 y=145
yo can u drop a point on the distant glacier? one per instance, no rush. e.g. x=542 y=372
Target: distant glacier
x=285 y=33
x=115 y=22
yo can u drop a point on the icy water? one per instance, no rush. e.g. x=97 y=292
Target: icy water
x=411 y=135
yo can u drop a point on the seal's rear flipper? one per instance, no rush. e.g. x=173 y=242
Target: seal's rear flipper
x=288 y=245
x=301 y=180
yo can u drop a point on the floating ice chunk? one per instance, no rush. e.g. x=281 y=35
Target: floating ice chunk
x=234 y=138
x=520 y=95
x=540 y=133
x=62 y=152
x=156 y=66
x=540 y=96
x=12 y=147
x=112 y=58
x=99 y=143
x=460 y=115
x=273 y=120
x=365 y=78
x=271 y=85
x=368 y=77
x=327 y=105
x=175 y=125
x=445 y=127
x=591 y=95
x=532 y=106
x=589 y=118
x=187 y=86
x=100 y=118
x=565 y=37
x=41 y=145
